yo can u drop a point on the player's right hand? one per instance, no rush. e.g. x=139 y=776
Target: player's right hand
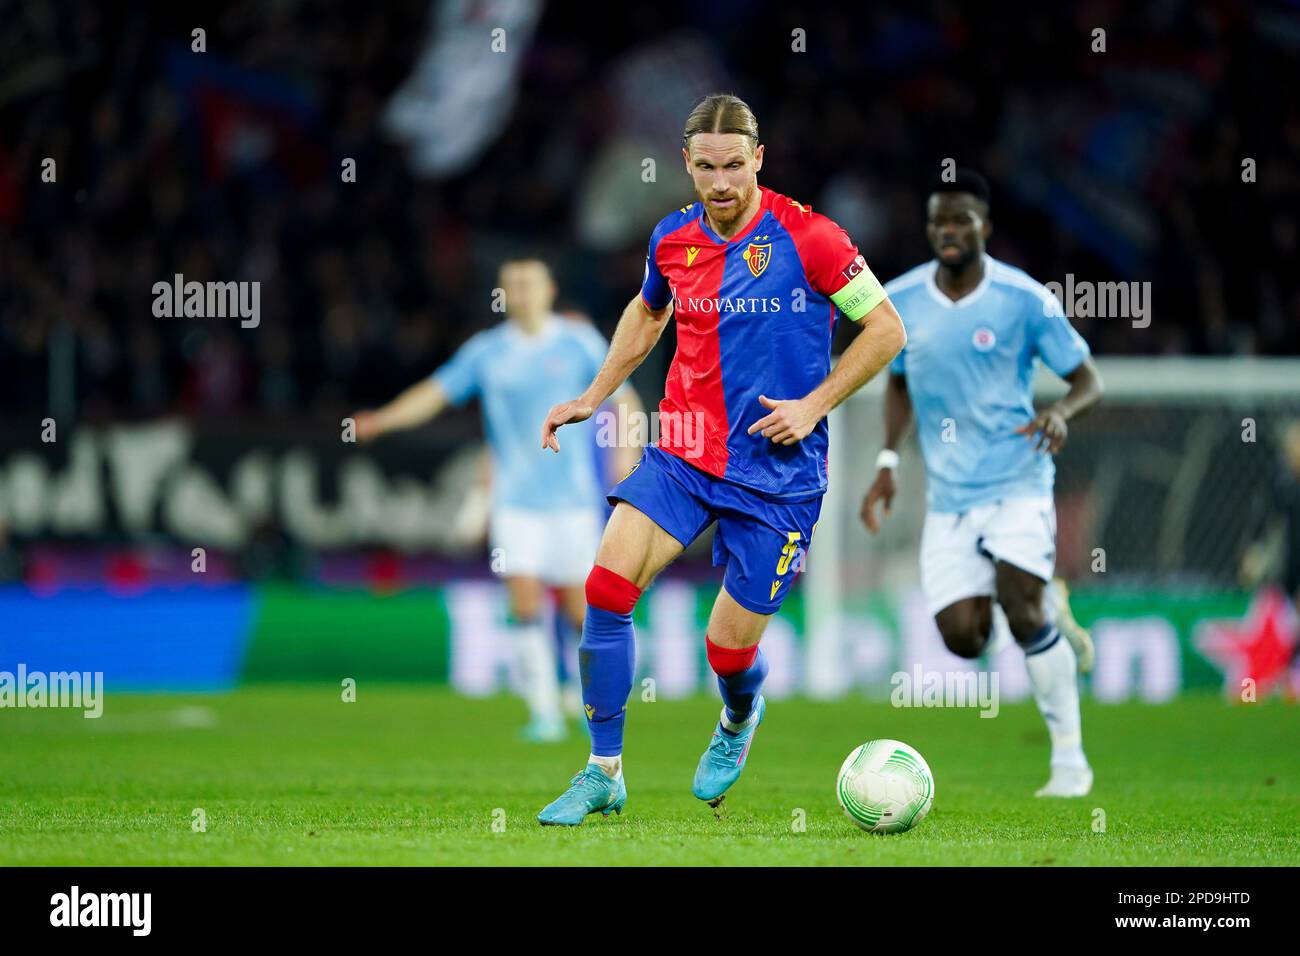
x=367 y=424
x=565 y=413
x=882 y=490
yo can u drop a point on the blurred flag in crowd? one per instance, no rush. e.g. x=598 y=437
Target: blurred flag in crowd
x=248 y=121
x=462 y=92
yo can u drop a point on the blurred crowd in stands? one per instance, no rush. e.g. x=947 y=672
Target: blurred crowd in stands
x=1122 y=163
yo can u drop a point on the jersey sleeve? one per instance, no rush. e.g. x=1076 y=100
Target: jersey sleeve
x=655 y=290
x=1056 y=342
x=461 y=377
x=836 y=269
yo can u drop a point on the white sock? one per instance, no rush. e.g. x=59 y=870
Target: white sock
x=745 y=724
x=612 y=766
x=541 y=684
x=1056 y=689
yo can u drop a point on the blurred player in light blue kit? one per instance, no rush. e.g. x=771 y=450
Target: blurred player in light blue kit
x=976 y=328
x=546 y=510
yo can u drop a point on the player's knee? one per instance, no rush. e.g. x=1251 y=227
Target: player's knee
x=526 y=595
x=967 y=642
x=611 y=592
x=1025 y=618
x=964 y=633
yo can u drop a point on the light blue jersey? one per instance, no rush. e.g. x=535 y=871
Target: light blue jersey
x=970 y=369
x=519 y=378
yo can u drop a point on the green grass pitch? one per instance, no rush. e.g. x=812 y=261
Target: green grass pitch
x=291 y=775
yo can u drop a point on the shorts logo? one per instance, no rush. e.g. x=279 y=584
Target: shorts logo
x=757 y=257
x=789 y=553
x=776 y=586
x=691 y=253
x=983 y=340
x=591 y=711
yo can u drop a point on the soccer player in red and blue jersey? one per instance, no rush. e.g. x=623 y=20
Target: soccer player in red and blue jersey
x=754 y=281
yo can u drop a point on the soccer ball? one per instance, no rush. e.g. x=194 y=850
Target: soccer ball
x=885 y=787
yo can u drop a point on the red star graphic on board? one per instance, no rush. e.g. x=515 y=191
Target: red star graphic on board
x=1260 y=647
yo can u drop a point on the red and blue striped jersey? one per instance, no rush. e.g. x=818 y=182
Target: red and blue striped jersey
x=755 y=315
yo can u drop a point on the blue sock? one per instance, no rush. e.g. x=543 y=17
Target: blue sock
x=607 y=661
x=739 y=691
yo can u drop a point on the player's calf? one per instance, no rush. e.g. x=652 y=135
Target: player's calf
x=732 y=650
x=536 y=659
x=740 y=672
x=1052 y=666
x=607 y=660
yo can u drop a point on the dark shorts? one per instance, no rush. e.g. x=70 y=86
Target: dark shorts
x=763 y=543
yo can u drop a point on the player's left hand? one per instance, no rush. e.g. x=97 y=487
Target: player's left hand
x=1047 y=431
x=791 y=419
x=565 y=413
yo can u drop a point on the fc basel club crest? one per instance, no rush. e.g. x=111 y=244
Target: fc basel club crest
x=758 y=256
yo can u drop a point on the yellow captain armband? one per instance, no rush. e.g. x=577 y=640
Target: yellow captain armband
x=862 y=293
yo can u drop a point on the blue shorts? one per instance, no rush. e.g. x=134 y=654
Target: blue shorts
x=763 y=542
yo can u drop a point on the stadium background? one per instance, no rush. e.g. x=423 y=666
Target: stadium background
x=321 y=561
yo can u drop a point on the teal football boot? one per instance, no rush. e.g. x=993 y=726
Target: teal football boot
x=591 y=791
x=724 y=760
